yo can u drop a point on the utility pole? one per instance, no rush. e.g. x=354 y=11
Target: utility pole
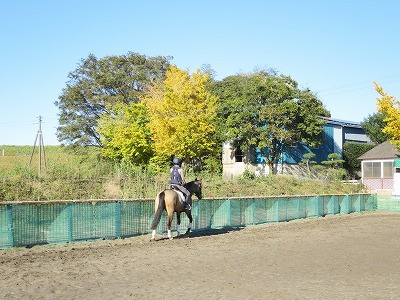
x=39 y=137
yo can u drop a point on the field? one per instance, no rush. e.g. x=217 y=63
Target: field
x=336 y=257
x=84 y=174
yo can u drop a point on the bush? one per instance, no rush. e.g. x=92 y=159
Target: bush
x=351 y=152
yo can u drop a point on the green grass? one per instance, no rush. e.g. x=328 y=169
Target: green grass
x=85 y=175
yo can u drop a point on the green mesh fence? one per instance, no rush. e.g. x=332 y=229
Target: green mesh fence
x=391 y=204
x=33 y=223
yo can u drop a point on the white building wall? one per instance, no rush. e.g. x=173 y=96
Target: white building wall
x=232 y=169
x=337 y=139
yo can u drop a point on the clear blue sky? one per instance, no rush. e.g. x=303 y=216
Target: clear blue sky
x=335 y=48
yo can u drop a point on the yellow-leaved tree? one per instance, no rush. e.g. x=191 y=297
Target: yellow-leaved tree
x=183 y=116
x=125 y=134
x=390 y=107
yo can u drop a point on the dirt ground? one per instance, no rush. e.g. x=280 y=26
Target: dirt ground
x=352 y=256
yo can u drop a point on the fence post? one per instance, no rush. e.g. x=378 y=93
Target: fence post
x=118 y=219
x=277 y=210
x=332 y=204
x=69 y=222
x=228 y=212
x=195 y=214
x=348 y=204
x=316 y=206
x=298 y=208
x=286 y=208
x=10 y=225
x=253 y=215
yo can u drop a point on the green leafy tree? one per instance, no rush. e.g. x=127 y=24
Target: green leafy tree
x=125 y=133
x=270 y=112
x=308 y=161
x=97 y=85
x=334 y=161
x=335 y=170
x=183 y=113
x=373 y=126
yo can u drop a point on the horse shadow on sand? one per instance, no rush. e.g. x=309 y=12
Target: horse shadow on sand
x=203 y=233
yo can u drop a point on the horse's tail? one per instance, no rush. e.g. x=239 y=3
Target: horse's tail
x=160 y=209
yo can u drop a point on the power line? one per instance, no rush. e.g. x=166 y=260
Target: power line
x=25 y=123
x=12 y=124
x=346 y=85
x=347 y=88
x=355 y=89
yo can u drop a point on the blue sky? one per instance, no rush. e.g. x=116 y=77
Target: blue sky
x=335 y=48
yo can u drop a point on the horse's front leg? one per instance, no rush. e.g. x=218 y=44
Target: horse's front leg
x=189 y=214
x=178 y=227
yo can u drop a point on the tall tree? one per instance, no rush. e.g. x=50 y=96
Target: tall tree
x=373 y=126
x=268 y=111
x=125 y=133
x=390 y=107
x=183 y=113
x=98 y=84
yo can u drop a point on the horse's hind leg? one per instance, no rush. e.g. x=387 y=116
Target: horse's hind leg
x=170 y=217
x=178 y=227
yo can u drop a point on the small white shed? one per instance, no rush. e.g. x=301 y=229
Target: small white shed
x=377 y=166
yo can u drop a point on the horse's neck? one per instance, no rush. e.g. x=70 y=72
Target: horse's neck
x=189 y=186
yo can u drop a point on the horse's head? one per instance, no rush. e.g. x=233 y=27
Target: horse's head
x=194 y=187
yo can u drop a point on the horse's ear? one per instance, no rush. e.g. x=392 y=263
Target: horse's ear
x=195 y=179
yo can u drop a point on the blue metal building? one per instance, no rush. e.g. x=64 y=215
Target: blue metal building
x=335 y=134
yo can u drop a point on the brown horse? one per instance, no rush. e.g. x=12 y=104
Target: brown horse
x=171 y=201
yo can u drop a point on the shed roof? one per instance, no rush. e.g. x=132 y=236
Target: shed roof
x=386 y=150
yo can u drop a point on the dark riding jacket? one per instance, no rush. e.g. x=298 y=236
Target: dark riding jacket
x=176 y=177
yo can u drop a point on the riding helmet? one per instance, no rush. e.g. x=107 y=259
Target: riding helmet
x=177 y=161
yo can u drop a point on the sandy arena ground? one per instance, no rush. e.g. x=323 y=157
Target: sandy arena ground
x=353 y=256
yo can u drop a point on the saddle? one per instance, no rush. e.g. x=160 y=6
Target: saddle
x=181 y=195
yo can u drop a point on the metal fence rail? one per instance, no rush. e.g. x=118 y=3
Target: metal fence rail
x=53 y=222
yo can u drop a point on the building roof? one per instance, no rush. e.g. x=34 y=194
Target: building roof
x=386 y=150
x=342 y=123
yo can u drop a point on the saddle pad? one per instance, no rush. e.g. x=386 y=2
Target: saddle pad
x=180 y=195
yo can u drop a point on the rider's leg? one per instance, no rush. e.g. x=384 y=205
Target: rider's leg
x=186 y=194
x=188 y=206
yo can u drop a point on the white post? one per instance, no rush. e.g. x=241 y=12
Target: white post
x=396 y=178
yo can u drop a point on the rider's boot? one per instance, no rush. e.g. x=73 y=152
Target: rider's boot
x=187 y=205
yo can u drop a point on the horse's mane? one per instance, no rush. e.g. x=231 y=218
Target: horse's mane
x=190 y=183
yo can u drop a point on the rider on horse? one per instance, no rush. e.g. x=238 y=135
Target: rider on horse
x=178 y=179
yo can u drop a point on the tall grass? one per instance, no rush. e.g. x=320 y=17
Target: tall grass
x=86 y=175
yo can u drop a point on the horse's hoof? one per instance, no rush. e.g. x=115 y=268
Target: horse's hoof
x=152 y=239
